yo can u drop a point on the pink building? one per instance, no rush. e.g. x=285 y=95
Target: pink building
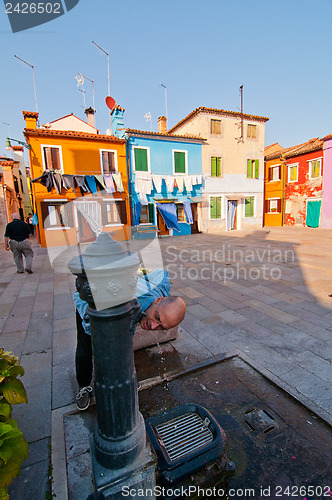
x=327 y=183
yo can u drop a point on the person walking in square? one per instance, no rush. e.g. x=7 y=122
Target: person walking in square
x=17 y=240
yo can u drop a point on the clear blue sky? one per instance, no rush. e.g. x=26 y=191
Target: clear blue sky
x=201 y=50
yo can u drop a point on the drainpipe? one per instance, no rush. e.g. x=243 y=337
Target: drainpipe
x=5 y=201
x=129 y=184
x=283 y=201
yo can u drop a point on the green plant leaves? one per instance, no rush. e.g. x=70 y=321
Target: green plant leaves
x=14 y=392
x=13 y=446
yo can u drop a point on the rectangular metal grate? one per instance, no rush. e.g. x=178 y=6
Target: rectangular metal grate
x=184 y=434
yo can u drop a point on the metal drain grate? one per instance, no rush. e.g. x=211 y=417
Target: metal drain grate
x=183 y=435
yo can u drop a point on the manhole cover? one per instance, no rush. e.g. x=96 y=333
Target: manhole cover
x=259 y=420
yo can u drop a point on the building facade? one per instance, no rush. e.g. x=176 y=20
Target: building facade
x=166 y=182
x=79 y=181
x=13 y=191
x=233 y=166
x=294 y=185
x=326 y=220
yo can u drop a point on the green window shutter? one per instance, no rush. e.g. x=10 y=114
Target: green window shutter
x=249 y=206
x=141 y=160
x=151 y=213
x=213 y=166
x=179 y=162
x=218 y=167
x=249 y=169
x=256 y=169
x=218 y=208
x=213 y=207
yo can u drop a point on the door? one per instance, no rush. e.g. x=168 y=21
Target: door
x=313 y=213
x=194 y=226
x=162 y=228
x=231 y=214
x=85 y=232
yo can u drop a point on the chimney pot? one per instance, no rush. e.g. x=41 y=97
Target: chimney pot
x=162 y=125
x=90 y=116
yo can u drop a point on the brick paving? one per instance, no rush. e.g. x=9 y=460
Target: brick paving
x=263 y=293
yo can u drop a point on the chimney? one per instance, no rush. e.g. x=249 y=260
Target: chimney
x=90 y=117
x=30 y=118
x=162 y=125
x=117 y=123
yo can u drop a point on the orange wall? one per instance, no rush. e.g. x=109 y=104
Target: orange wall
x=273 y=189
x=80 y=156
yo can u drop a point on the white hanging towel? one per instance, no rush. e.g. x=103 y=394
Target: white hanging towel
x=143 y=199
x=143 y=183
x=199 y=179
x=188 y=182
x=169 y=183
x=179 y=181
x=118 y=182
x=157 y=181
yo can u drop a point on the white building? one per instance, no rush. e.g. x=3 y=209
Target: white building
x=233 y=166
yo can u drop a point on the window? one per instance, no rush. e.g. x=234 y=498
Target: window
x=51 y=157
x=147 y=214
x=252 y=131
x=215 y=126
x=108 y=161
x=252 y=169
x=273 y=205
x=215 y=166
x=293 y=173
x=314 y=168
x=141 y=160
x=249 y=203
x=180 y=162
x=215 y=207
x=114 y=212
x=57 y=214
x=180 y=212
x=274 y=173
x=17 y=191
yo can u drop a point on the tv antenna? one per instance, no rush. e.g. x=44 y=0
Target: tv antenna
x=148 y=118
x=93 y=88
x=162 y=85
x=33 y=77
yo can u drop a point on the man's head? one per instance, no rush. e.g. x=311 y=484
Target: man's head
x=15 y=215
x=164 y=313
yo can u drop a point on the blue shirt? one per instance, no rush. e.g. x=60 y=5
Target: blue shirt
x=149 y=288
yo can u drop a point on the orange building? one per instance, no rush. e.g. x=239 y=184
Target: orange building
x=274 y=186
x=11 y=191
x=69 y=164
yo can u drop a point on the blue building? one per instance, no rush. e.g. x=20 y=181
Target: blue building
x=166 y=182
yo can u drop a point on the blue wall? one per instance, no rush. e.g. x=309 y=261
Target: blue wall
x=161 y=163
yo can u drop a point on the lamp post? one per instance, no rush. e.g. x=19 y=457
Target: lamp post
x=106 y=280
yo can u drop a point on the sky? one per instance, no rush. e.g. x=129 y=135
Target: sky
x=202 y=51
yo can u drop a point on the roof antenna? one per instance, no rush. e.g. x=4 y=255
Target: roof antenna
x=240 y=125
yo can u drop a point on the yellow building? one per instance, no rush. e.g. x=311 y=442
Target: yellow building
x=71 y=162
x=274 y=186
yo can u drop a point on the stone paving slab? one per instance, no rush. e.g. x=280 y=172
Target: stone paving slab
x=284 y=326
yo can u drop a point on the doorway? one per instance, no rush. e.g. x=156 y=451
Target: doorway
x=162 y=228
x=231 y=214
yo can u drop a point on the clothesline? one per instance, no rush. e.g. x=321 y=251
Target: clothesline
x=87 y=183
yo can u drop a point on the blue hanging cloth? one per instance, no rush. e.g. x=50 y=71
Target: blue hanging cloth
x=138 y=208
x=168 y=213
x=188 y=212
x=91 y=182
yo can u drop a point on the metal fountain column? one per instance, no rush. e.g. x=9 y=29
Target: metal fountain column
x=106 y=280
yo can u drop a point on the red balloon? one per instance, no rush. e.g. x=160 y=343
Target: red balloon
x=110 y=102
